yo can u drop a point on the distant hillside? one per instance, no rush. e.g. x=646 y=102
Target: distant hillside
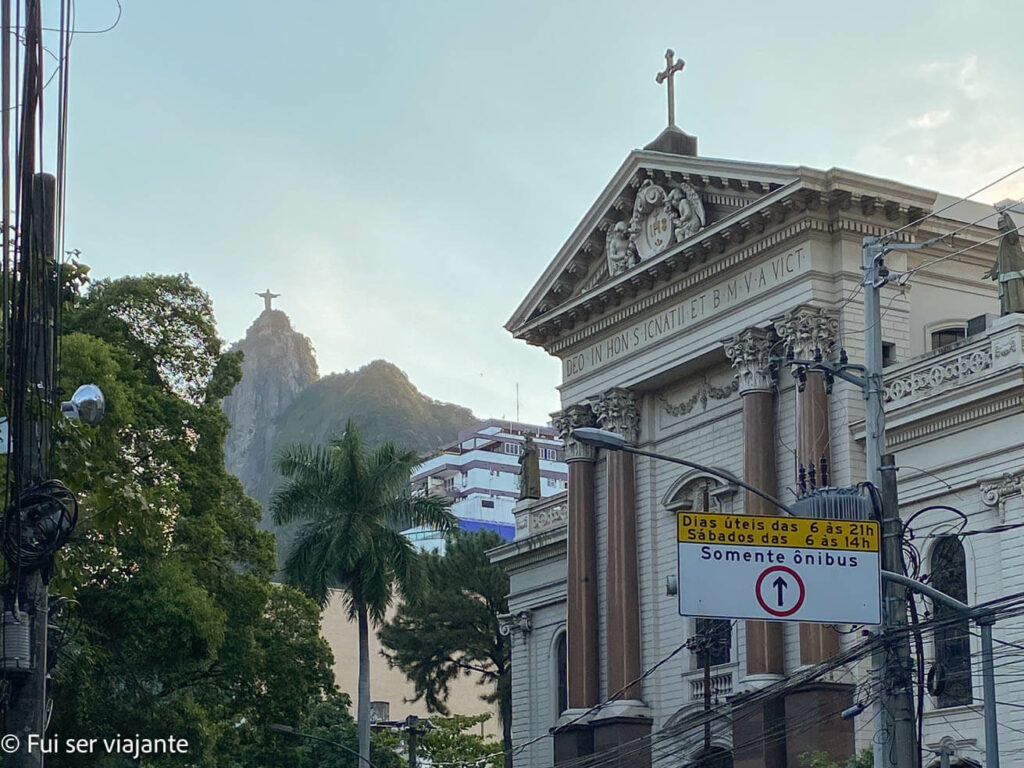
x=383 y=404
x=280 y=402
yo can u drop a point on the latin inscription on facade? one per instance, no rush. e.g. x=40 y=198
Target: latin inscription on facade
x=687 y=312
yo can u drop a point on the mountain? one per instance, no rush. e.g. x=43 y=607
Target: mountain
x=280 y=402
x=278 y=365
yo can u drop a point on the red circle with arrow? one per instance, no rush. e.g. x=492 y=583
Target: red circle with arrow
x=780 y=585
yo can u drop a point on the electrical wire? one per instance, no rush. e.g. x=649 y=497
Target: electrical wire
x=103 y=31
x=921 y=267
x=889 y=235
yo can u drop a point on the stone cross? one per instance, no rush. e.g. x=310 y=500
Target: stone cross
x=670 y=69
x=267 y=297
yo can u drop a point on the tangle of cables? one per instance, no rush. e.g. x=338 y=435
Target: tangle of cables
x=32 y=534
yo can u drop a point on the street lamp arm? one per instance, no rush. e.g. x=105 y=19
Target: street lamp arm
x=613 y=441
x=934 y=594
x=727 y=476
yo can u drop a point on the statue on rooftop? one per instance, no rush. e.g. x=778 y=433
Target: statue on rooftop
x=1009 y=267
x=529 y=470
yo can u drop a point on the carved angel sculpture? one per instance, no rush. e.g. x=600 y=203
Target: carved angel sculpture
x=617 y=246
x=691 y=212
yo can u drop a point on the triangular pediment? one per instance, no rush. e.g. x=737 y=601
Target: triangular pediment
x=656 y=203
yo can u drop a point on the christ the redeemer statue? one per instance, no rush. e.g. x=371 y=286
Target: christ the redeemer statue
x=267 y=297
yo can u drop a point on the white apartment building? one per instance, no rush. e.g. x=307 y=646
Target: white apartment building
x=480 y=473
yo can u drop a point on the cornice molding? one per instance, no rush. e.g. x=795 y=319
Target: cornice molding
x=954 y=420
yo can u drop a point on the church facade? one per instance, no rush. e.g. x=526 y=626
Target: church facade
x=675 y=307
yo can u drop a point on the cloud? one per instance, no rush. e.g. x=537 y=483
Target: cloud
x=963 y=73
x=967 y=135
x=931 y=119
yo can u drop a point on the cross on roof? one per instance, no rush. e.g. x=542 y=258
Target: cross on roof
x=267 y=297
x=670 y=69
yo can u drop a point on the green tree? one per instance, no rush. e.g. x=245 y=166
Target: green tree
x=351 y=502
x=450 y=741
x=450 y=628
x=167 y=620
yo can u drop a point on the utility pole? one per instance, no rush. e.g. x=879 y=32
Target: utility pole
x=411 y=732
x=31 y=371
x=894 y=710
x=30 y=429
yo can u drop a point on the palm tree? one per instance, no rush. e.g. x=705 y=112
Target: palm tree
x=352 y=502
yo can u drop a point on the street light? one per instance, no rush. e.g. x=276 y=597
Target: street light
x=613 y=441
x=288 y=730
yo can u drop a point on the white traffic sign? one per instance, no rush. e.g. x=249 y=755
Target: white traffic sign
x=779 y=568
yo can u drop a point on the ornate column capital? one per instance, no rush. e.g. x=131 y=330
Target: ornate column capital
x=565 y=421
x=995 y=492
x=617 y=411
x=516 y=623
x=750 y=353
x=806 y=330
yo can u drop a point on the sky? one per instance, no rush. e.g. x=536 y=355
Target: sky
x=403 y=172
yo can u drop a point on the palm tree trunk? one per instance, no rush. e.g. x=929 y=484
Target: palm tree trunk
x=363 y=706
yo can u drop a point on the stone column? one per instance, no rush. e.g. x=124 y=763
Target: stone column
x=809 y=333
x=628 y=718
x=581 y=591
x=750 y=351
x=617 y=412
x=757 y=728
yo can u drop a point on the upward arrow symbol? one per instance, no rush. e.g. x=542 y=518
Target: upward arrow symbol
x=780 y=584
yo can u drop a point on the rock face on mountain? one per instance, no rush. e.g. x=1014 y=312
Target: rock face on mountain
x=278 y=366
x=280 y=402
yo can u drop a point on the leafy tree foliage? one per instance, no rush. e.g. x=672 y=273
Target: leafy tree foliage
x=351 y=502
x=450 y=628
x=452 y=741
x=820 y=759
x=168 y=622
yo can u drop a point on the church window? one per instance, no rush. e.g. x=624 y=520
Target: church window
x=946 y=336
x=952 y=671
x=715 y=641
x=561 y=674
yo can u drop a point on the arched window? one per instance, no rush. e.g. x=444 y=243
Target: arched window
x=561 y=675
x=951 y=676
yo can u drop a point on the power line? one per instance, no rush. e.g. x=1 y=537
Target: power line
x=952 y=204
x=911 y=272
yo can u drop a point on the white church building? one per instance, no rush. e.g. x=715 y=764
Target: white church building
x=674 y=308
